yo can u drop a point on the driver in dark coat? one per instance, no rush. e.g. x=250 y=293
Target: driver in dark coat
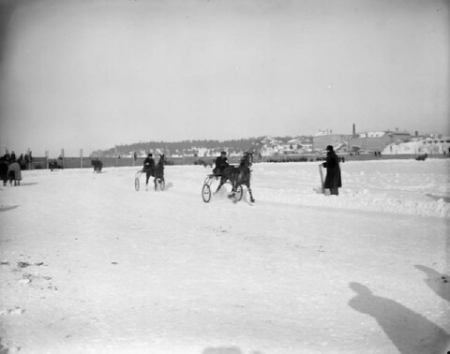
x=333 y=177
x=149 y=168
x=149 y=163
x=221 y=163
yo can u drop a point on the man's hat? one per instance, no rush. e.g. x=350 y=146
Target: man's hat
x=150 y=155
x=329 y=148
x=223 y=153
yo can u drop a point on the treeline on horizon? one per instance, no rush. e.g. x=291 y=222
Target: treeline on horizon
x=232 y=145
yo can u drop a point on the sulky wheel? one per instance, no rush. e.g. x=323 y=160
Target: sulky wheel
x=206 y=193
x=159 y=183
x=136 y=183
x=238 y=193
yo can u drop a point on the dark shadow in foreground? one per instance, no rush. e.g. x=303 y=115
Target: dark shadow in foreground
x=28 y=184
x=409 y=331
x=6 y=208
x=226 y=350
x=439 y=283
x=222 y=350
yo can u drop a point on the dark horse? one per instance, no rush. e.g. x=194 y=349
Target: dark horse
x=97 y=164
x=53 y=165
x=238 y=175
x=157 y=172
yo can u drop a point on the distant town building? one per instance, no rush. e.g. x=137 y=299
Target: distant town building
x=368 y=141
x=376 y=141
x=324 y=138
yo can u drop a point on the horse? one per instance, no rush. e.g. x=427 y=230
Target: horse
x=422 y=157
x=238 y=175
x=157 y=172
x=203 y=163
x=97 y=164
x=53 y=165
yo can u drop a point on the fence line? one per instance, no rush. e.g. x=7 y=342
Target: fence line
x=85 y=162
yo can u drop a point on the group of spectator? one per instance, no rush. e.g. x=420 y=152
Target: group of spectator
x=11 y=167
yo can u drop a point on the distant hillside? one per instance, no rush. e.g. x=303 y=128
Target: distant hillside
x=203 y=148
x=264 y=146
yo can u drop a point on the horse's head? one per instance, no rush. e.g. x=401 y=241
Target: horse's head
x=247 y=159
x=162 y=159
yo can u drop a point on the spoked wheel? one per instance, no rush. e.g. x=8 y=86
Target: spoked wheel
x=137 y=183
x=238 y=193
x=206 y=193
x=137 y=180
x=161 y=184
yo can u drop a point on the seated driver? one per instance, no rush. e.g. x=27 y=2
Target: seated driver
x=221 y=163
x=149 y=163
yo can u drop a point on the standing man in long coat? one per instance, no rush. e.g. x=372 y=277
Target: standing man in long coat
x=333 y=178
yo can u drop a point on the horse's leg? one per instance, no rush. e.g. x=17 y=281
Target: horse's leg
x=147 y=177
x=235 y=179
x=247 y=184
x=222 y=182
x=156 y=174
x=233 y=188
x=251 y=195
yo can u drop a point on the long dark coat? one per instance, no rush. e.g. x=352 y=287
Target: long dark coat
x=333 y=177
x=149 y=164
x=3 y=171
x=221 y=163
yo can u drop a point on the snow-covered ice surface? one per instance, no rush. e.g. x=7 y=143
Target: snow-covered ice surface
x=89 y=265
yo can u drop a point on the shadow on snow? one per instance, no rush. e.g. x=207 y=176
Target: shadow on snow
x=409 y=331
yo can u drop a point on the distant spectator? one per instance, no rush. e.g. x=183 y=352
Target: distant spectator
x=29 y=157
x=333 y=178
x=13 y=156
x=22 y=162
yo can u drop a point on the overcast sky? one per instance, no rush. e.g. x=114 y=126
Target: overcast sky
x=92 y=74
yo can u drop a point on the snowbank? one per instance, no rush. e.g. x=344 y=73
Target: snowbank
x=89 y=265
